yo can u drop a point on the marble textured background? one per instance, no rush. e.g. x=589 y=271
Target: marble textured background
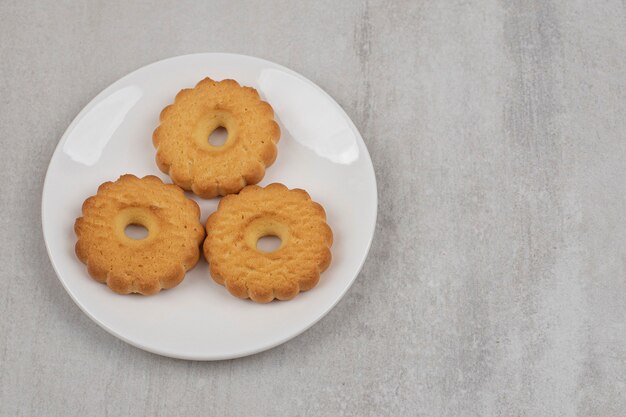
x=496 y=284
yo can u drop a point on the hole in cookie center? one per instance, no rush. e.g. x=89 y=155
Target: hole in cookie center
x=218 y=136
x=136 y=231
x=268 y=243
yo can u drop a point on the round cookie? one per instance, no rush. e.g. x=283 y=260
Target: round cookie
x=145 y=266
x=183 y=149
x=241 y=220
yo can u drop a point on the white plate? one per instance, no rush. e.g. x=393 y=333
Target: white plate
x=320 y=150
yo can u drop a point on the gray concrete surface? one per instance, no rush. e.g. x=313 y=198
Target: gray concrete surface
x=496 y=284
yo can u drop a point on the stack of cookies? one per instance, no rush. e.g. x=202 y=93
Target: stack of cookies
x=245 y=214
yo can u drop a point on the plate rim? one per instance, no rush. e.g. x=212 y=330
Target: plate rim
x=240 y=354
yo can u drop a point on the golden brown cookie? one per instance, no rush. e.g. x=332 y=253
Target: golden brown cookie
x=241 y=220
x=144 y=266
x=183 y=149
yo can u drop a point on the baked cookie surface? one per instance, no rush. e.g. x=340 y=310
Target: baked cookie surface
x=145 y=266
x=241 y=220
x=183 y=148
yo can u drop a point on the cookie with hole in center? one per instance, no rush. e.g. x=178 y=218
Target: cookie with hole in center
x=209 y=170
x=159 y=260
x=241 y=220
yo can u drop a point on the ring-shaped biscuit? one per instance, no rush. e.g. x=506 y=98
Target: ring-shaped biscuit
x=240 y=220
x=182 y=138
x=145 y=266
